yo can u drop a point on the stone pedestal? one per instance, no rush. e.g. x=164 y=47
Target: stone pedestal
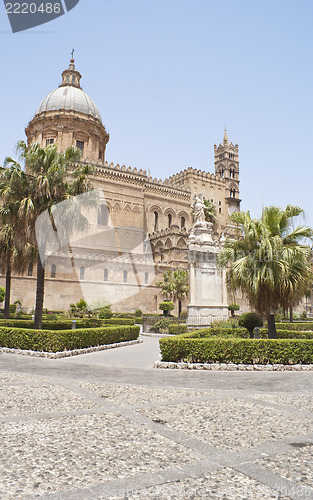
x=208 y=294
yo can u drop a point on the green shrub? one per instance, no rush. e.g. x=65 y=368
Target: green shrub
x=78 y=310
x=229 y=332
x=161 y=326
x=166 y=306
x=225 y=323
x=230 y=350
x=138 y=313
x=294 y=326
x=232 y=308
x=250 y=321
x=177 y=329
x=287 y=334
x=52 y=341
x=105 y=312
x=2 y=294
x=66 y=324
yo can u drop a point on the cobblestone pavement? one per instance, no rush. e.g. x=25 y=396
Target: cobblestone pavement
x=103 y=427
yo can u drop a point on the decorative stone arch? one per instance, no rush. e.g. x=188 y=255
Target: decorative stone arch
x=127 y=208
x=156 y=212
x=233 y=190
x=221 y=170
x=183 y=219
x=168 y=243
x=136 y=209
x=232 y=171
x=159 y=246
x=117 y=206
x=170 y=215
x=181 y=243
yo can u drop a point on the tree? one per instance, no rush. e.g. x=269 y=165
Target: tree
x=2 y=294
x=49 y=178
x=175 y=286
x=232 y=308
x=210 y=211
x=270 y=264
x=15 y=253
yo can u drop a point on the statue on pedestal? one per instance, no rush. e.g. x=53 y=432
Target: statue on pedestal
x=198 y=211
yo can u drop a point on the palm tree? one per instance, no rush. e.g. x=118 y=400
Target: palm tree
x=14 y=251
x=270 y=264
x=175 y=286
x=210 y=211
x=50 y=179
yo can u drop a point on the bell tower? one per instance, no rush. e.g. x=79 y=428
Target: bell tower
x=226 y=161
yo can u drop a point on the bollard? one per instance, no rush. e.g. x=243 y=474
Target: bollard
x=256 y=332
x=74 y=324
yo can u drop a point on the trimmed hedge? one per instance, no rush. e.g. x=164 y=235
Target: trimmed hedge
x=246 y=351
x=177 y=329
x=287 y=334
x=294 y=326
x=66 y=324
x=65 y=340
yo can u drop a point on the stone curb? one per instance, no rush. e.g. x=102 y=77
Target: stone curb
x=231 y=367
x=67 y=354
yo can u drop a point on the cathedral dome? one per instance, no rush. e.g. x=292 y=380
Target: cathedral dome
x=69 y=98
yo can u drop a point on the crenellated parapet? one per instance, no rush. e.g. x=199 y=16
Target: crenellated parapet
x=183 y=178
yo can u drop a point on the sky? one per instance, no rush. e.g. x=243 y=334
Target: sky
x=169 y=75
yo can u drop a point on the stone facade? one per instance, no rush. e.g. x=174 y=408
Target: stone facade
x=129 y=198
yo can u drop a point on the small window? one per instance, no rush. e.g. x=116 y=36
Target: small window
x=105 y=275
x=30 y=270
x=53 y=270
x=219 y=210
x=82 y=273
x=125 y=277
x=146 y=278
x=156 y=218
x=100 y=155
x=67 y=79
x=169 y=220
x=182 y=222
x=80 y=145
x=49 y=142
x=73 y=79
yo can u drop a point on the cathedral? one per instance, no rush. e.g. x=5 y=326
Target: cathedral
x=161 y=210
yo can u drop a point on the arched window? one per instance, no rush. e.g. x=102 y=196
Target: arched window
x=182 y=222
x=105 y=275
x=103 y=216
x=169 y=220
x=53 y=270
x=82 y=273
x=73 y=79
x=125 y=276
x=146 y=278
x=156 y=219
x=30 y=270
x=67 y=79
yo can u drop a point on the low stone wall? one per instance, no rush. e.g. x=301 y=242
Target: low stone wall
x=231 y=367
x=67 y=354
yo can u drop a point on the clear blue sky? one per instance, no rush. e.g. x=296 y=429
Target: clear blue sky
x=168 y=75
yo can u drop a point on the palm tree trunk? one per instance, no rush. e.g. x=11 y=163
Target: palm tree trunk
x=291 y=314
x=7 y=291
x=39 y=293
x=272 y=333
x=179 y=308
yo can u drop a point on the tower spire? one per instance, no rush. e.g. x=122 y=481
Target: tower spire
x=225 y=140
